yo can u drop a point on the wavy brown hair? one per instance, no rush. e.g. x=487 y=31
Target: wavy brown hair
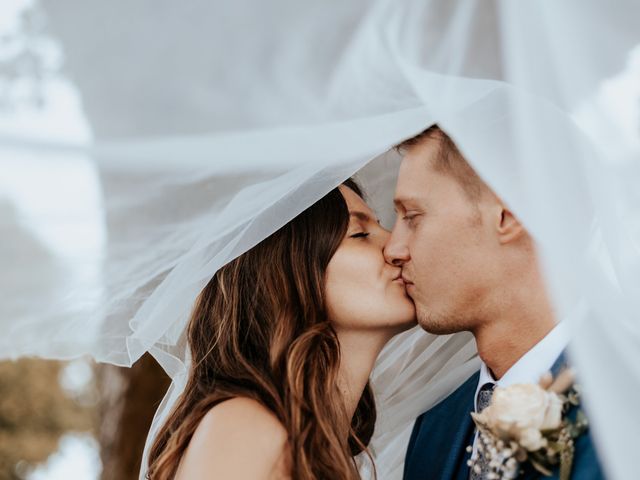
x=260 y=330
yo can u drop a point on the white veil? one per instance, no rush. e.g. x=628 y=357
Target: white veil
x=143 y=145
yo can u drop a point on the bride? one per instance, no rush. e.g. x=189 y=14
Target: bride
x=283 y=340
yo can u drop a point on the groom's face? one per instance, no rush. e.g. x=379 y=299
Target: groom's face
x=442 y=242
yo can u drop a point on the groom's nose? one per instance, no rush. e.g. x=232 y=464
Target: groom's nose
x=396 y=251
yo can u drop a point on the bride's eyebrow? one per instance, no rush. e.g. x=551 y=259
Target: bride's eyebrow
x=362 y=216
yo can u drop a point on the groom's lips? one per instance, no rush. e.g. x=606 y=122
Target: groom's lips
x=406 y=280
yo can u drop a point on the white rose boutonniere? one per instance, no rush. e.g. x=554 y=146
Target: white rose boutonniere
x=527 y=423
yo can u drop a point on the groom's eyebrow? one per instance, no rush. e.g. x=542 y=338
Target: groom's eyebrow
x=400 y=201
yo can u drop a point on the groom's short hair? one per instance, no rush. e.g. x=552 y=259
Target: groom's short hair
x=448 y=160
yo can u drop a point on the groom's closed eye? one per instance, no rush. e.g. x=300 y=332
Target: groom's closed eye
x=411 y=218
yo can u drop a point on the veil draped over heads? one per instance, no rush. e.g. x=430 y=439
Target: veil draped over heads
x=144 y=145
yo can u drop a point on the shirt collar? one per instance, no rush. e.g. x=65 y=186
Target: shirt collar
x=533 y=364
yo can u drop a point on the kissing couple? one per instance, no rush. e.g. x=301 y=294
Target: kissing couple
x=283 y=340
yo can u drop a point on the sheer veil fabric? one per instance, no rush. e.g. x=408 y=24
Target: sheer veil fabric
x=170 y=138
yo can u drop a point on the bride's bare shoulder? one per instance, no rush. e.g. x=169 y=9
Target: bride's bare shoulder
x=238 y=438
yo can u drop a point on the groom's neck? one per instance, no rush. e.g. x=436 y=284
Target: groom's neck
x=506 y=337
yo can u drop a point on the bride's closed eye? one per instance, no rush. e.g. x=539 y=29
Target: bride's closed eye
x=360 y=235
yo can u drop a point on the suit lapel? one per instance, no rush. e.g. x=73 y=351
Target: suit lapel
x=456 y=463
x=451 y=423
x=456 y=466
x=462 y=456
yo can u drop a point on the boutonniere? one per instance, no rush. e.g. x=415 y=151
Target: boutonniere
x=528 y=423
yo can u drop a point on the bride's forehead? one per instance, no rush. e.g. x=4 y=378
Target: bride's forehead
x=355 y=203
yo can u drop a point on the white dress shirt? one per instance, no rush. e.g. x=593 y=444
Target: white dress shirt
x=531 y=366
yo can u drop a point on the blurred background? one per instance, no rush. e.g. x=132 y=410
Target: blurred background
x=58 y=420
x=75 y=420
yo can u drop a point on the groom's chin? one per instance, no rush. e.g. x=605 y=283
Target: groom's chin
x=439 y=324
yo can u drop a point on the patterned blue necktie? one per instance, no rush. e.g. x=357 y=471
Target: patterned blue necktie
x=483 y=400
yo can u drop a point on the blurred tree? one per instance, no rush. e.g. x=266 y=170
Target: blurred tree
x=129 y=398
x=35 y=411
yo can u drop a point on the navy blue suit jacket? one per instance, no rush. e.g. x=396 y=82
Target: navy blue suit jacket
x=437 y=447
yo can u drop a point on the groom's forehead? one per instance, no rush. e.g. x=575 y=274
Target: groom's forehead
x=431 y=162
x=425 y=177
x=414 y=181
x=417 y=167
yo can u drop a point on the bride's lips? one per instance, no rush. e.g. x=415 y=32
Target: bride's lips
x=398 y=279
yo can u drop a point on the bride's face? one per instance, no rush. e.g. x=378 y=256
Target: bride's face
x=362 y=290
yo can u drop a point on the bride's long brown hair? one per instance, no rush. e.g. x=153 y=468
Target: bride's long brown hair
x=260 y=330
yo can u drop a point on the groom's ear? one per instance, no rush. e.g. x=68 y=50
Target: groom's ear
x=508 y=226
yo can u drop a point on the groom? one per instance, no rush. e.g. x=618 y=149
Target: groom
x=470 y=265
